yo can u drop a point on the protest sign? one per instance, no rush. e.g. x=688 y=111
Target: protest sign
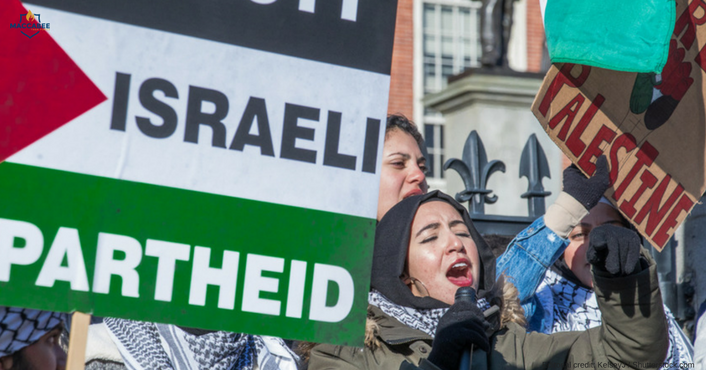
x=230 y=180
x=652 y=127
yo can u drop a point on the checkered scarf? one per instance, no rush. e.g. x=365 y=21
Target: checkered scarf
x=20 y=327
x=425 y=320
x=152 y=346
x=570 y=307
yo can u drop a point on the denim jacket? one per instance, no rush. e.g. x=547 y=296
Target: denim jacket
x=526 y=260
x=525 y=263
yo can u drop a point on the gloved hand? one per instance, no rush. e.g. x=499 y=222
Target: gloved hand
x=614 y=249
x=462 y=326
x=587 y=191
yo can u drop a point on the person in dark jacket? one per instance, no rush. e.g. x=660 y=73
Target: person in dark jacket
x=426 y=248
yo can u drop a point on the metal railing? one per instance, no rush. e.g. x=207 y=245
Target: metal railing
x=475 y=170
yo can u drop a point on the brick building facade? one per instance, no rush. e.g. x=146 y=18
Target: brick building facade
x=435 y=39
x=402 y=79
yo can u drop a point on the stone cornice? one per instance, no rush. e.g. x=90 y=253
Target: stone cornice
x=516 y=90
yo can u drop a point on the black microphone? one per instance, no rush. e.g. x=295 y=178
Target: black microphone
x=466 y=294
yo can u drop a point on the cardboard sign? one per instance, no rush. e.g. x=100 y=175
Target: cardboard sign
x=230 y=180
x=651 y=127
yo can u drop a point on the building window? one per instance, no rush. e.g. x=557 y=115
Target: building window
x=451 y=43
x=451 y=40
x=434 y=140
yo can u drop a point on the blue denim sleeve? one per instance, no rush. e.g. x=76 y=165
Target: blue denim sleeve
x=527 y=259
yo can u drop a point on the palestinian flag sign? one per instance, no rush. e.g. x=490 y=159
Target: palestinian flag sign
x=41 y=88
x=229 y=181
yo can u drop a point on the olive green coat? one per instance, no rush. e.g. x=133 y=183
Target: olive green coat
x=633 y=335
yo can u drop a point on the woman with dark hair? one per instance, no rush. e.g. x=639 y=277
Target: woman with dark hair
x=403 y=172
x=426 y=248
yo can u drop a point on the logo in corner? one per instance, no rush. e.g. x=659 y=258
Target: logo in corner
x=30 y=24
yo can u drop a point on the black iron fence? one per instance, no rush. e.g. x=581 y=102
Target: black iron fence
x=475 y=170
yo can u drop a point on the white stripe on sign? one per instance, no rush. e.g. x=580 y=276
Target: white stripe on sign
x=194 y=114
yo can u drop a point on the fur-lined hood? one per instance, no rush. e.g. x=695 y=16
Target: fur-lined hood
x=392 y=237
x=509 y=304
x=510 y=311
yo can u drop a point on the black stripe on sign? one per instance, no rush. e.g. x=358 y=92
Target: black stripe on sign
x=279 y=27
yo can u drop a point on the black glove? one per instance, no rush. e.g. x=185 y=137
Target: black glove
x=614 y=249
x=460 y=328
x=587 y=191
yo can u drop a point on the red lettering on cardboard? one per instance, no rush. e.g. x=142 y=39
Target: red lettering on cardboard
x=626 y=141
x=652 y=207
x=676 y=78
x=700 y=58
x=684 y=205
x=574 y=142
x=562 y=78
x=567 y=114
x=688 y=21
x=648 y=182
x=645 y=155
x=604 y=134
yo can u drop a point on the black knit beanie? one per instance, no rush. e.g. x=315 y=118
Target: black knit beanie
x=392 y=241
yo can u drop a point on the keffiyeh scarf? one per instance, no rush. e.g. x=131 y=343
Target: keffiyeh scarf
x=153 y=346
x=424 y=320
x=569 y=307
x=20 y=327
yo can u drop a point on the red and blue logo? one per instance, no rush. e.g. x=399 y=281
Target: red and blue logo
x=30 y=24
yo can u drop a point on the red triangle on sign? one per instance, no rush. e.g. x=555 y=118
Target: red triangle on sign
x=41 y=88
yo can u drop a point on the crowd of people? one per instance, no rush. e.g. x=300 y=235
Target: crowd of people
x=576 y=289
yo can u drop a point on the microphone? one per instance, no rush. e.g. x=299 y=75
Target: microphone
x=466 y=294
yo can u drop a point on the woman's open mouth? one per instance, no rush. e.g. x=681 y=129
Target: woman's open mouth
x=460 y=273
x=413 y=192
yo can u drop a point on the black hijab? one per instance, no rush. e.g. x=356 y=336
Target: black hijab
x=392 y=241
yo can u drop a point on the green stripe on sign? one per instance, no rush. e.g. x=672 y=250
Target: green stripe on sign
x=156 y=254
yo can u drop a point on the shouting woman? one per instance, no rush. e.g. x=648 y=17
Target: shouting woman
x=426 y=248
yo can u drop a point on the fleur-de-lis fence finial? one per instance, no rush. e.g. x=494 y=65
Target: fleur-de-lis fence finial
x=534 y=166
x=475 y=171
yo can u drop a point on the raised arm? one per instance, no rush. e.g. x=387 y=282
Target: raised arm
x=633 y=333
x=537 y=247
